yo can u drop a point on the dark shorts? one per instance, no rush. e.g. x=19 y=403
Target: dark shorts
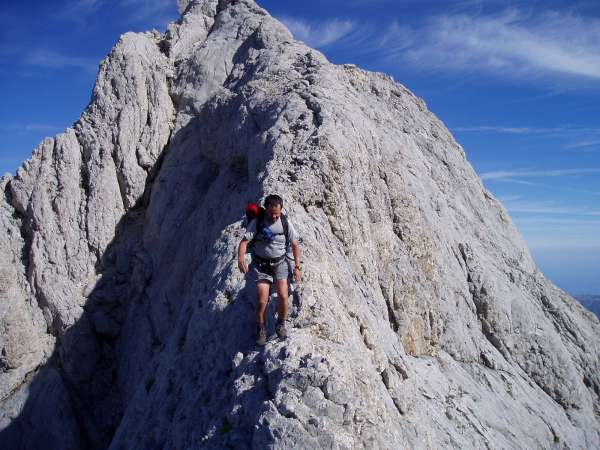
x=264 y=271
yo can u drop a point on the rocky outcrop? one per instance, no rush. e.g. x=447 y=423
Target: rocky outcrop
x=61 y=212
x=422 y=320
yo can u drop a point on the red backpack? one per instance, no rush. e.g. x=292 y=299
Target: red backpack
x=253 y=211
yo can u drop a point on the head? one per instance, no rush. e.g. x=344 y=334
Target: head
x=273 y=205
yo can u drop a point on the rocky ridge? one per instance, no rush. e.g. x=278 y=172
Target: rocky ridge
x=422 y=320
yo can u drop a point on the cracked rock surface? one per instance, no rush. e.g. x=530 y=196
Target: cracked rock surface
x=421 y=322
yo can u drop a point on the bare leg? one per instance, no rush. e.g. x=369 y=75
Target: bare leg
x=262 y=290
x=282 y=305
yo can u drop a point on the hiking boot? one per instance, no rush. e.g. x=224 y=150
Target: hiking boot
x=261 y=334
x=281 y=330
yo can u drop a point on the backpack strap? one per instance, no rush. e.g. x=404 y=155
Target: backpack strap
x=286 y=229
x=260 y=223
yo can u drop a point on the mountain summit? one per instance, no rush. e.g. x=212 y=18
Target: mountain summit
x=422 y=321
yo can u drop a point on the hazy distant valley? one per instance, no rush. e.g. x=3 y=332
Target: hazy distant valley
x=591 y=302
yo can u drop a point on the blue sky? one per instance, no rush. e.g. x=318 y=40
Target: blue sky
x=517 y=83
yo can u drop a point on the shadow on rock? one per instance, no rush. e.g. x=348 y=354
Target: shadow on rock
x=157 y=285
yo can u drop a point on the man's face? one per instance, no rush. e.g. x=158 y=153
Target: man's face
x=273 y=212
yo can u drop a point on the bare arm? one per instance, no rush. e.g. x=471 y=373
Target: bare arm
x=242 y=264
x=297 y=261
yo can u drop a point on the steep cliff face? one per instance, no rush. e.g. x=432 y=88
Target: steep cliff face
x=421 y=322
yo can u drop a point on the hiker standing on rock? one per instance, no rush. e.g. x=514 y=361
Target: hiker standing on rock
x=270 y=235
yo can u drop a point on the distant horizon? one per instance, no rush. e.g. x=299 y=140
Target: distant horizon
x=517 y=84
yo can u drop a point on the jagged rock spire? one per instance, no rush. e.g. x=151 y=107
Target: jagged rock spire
x=206 y=5
x=422 y=320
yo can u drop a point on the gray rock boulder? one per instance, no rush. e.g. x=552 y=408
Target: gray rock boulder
x=421 y=322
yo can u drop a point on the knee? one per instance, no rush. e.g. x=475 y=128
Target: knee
x=282 y=290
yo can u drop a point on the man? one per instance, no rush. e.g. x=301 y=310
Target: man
x=269 y=262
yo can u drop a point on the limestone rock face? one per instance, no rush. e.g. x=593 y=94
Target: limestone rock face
x=60 y=213
x=421 y=321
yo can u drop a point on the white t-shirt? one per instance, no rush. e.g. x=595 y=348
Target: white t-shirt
x=271 y=241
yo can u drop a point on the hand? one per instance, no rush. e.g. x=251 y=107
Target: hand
x=243 y=265
x=297 y=275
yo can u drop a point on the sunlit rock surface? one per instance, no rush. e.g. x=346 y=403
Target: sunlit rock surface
x=422 y=320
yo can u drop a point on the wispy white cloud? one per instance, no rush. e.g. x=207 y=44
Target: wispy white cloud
x=454 y=3
x=522 y=173
x=509 y=198
x=319 y=34
x=559 y=231
x=40 y=127
x=31 y=127
x=532 y=208
x=153 y=12
x=149 y=5
x=555 y=224
x=566 y=131
x=369 y=2
x=509 y=130
x=394 y=40
x=584 y=144
x=513 y=43
x=79 y=10
x=517 y=204
x=352 y=38
x=522 y=182
x=571 y=137
x=560 y=240
x=51 y=59
x=584 y=191
x=567 y=222
x=157 y=13
x=9 y=160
